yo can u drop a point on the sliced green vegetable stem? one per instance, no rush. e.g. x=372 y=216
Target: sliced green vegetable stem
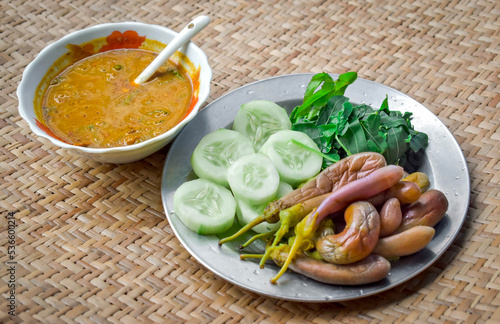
x=314 y=151
x=341 y=144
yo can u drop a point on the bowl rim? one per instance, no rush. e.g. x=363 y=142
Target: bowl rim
x=202 y=97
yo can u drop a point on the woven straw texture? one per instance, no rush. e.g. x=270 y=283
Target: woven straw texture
x=93 y=244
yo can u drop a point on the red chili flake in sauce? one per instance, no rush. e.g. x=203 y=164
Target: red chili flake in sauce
x=128 y=39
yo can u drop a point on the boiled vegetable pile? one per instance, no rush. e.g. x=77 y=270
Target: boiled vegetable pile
x=325 y=187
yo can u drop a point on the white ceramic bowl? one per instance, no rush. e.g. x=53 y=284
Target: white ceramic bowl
x=37 y=69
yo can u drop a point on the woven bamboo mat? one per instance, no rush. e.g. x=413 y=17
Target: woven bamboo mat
x=93 y=244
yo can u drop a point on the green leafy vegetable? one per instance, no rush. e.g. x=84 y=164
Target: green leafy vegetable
x=315 y=100
x=341 y=128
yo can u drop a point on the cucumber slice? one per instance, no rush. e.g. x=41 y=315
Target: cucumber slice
x=283 y=189
x=204 y=206
x=294 y=163
x=254 y=179
x=259 y=119
x=216 y=152
x=246 y=212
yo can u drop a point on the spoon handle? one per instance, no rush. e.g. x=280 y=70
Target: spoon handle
x=194 y=27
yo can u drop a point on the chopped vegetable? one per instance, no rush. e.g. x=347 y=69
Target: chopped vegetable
x=341 y=128
x=204 y=206
x=294 y=163
x=254 y=179
x=216 y=152
x=259 y=119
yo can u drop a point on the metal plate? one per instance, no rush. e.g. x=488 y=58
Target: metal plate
x=444 y=163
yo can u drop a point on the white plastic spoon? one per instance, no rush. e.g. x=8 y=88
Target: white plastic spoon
x=193 y=28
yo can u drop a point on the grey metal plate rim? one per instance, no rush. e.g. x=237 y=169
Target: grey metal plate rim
x=444 y=163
